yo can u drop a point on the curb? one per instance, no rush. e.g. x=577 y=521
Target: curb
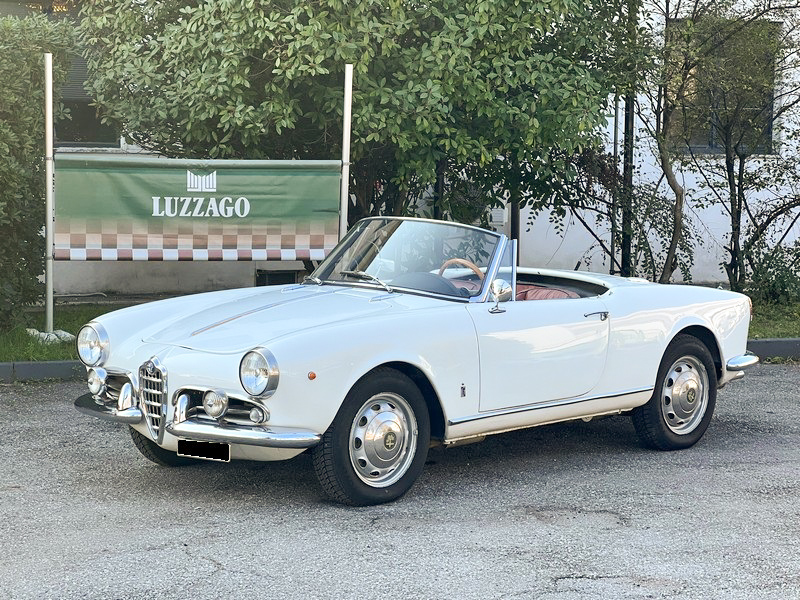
x=39 y=371
x=73 y=369
x=775 y=348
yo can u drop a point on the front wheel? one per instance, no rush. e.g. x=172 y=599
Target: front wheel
x=377 y=445
x=678 y=413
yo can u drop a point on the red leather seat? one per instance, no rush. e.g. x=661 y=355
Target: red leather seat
x=526 y=291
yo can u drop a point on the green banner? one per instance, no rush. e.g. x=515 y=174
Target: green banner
x=184 y=204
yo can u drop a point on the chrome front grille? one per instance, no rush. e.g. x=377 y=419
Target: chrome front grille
x=153 y=396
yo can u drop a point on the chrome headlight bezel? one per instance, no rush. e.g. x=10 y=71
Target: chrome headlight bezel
x=91 y=337
x=258 y=373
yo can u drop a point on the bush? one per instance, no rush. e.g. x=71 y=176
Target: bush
x=776 y=276
x=22 y=173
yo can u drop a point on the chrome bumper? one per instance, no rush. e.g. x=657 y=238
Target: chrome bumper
x=95 y=408
x=742 y=362
x=204 y=430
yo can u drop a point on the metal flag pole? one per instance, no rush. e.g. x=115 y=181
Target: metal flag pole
x=344 y=196
x=48 y=162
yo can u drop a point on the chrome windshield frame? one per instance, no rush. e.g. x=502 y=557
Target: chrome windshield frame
x=494 y=264
x=494 y=267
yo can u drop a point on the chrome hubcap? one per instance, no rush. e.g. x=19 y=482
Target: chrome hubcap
x=383 y=439
x=684 y=397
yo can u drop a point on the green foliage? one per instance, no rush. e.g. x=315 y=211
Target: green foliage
x=776 y=275
x=22 y=44
x=455 y=82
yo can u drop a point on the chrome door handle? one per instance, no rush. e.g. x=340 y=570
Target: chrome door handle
x=603 y=314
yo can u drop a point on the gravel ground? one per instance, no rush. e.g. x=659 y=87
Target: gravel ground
x=568 y=511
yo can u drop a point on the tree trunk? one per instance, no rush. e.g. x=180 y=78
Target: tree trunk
x=438 y=192
x=732 y=266
x=671 y=262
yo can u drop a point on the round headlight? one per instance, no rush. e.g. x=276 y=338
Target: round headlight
x=93 y=344
x=258 y=372
x=215 y=404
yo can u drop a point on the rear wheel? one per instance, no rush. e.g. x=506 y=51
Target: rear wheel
x=678 y=413
x=376 y=446
x=153 y=452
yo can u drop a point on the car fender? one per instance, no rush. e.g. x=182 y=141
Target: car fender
x=318 y=368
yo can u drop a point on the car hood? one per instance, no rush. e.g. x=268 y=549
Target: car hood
x=238 y=323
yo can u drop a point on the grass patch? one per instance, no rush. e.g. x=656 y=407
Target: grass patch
x=17 y=345
x=775 y=321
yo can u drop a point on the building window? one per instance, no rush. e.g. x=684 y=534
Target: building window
x=83 y=128
x=721 y=81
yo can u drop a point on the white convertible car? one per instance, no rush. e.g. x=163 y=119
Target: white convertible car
x=411 y=333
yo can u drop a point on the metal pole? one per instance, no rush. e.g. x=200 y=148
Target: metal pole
x=627 y=189
x=344 y=196
x=614 y=194
x=48 y=162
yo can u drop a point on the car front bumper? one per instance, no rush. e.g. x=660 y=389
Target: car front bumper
x=735 y=368
x=207 y=430
x=742 y=362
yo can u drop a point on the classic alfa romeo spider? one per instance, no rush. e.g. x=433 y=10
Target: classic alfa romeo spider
x=411 y=333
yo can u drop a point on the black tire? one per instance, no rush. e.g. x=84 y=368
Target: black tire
x=683 y=401
x=153 y=452
x=386 y=404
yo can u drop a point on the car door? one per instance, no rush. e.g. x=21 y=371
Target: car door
x=539 y=350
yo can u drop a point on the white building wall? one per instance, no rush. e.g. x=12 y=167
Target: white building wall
x=168 y=277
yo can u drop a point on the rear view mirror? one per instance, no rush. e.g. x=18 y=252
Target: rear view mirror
x=500 y=291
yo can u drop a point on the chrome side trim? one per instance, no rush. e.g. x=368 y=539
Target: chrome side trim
x=531 y=407
x=742 y=362
x=205 y=430
x=94 y=408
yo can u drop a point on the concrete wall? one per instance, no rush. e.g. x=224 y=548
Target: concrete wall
x=159 y=277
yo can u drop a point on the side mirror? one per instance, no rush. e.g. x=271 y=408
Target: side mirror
x=500 y=291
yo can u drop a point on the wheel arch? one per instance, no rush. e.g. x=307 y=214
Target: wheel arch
x=708 y=339
x=435 y=411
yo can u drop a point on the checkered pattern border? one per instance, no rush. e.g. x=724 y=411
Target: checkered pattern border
x=192 y=241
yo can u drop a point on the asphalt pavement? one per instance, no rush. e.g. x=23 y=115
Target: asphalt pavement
x=569 y=511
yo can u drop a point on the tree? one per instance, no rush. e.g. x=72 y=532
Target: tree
x=726 y=76
x=440 y=86
x=588 y=189
x=22 y=177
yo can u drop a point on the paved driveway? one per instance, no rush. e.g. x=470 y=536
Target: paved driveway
x=568 y=511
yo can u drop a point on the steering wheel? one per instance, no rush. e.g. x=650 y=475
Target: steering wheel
x=463 y=262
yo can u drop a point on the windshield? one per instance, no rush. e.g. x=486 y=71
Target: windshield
x=440 y=258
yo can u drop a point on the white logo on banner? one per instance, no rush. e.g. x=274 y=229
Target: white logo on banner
x=201 y=183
